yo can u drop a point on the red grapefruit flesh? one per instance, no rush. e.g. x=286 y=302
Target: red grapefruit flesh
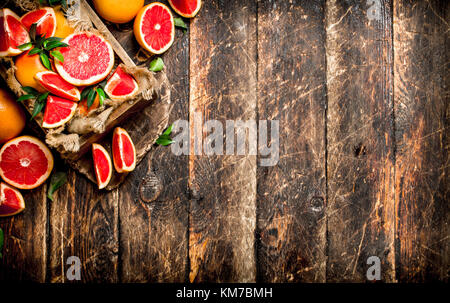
x=55 y=84
x=11 y=201
x=45 y=20
x=25 y=162
x=12 y=33
x=186 y=8
x=124 y=153
x=121 y=86
x=88 y=59
x=58 y=111
x=102 y=165
x=154 y=28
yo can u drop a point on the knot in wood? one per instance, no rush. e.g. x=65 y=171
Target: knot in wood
x=150 y=188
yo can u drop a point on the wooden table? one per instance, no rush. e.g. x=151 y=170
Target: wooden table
x=360 y=89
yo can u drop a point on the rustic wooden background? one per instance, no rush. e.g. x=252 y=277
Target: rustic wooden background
x=361 y=92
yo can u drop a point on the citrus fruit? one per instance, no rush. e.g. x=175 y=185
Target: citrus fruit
x=154 y=28
x=26 y=68
x=44 y=18
x=118 y=11
x=124 y=153
x=88 y=59
x=83 y=108
x=186 y=8
x=11 y=201
x=12 y=33
x=25 y=162
x=57 y=85
x=58 y=111
x=102 y=165
x=12 y=117
x=121 y=86
x=63 y=29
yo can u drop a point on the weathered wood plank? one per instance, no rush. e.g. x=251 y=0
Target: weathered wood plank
x=292 y=89
x=360 y=167
x=84 y=223
x=421 y=39
x=223 y=188
x=153 y=201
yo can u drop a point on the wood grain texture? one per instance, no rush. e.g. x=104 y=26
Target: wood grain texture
x=292 y=89
x=421 y=39
x=223 y=188
x=153 y=201
x=360 y=167
x=84 y=223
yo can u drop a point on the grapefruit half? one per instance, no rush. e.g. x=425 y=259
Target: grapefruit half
x=124 y=152
x=88 y=59
x=102 y=165
x=154 y=28
x=121 y=86
x=186 y=8
x=55 y=84
x=45 y=20
x=25 y=162
x=11 y=201
x=12 y=33
x=58 y=111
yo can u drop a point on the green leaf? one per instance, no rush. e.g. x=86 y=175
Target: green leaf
x=168 y=130
x=57 y=55
x=32 y=31
x=1 y=242
x=85 y=93
x=45 y=61
x=51 y=39
x=101 y=95
x=34 y=51
x=91 y=97
x=54 y=44
x=57 y=180
x=42 y=97
x=30 y=90
x=25 y=97
x=180 y=23
x=40 y=40
x=25 y=46
x=164 y=141
x=157 y=65
x=39 y=104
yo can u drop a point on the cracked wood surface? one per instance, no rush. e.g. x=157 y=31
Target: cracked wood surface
x=361 y=92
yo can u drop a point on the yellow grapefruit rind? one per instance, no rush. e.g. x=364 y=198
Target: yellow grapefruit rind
x=97 y=174
x=138 y=29
x=125 y=169
x=44 y=149
x=92 y=80
x=2 y=197
x=186 y=15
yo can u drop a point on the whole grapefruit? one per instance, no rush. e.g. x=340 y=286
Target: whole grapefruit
x=12 y=117
x=26 y=68
x=118 y=11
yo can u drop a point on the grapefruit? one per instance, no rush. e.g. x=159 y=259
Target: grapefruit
x=63 y=28
x=26 y=68
x=12 y=33
x=12 y=117
x=186 y=8
x=102 y=165
x=83 y=108
x=124 y=153
x=11 y=201
x=25 y=162
x=118 y=11
x=121 y=86
x=58 y=111
x=88 y=59
x=45 y=20
x=57 y=85
x=154 y=28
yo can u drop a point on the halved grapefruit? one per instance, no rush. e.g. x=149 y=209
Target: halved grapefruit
x=55 y=84
x=88 y=59
x=58 y=111
x=45 y=20
x=154 y=28
x=11 y=201
x=121 y=86
x=186 y=8
x=12 y=33
x=102 y=165
x=25 y=162
x=124 y=153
